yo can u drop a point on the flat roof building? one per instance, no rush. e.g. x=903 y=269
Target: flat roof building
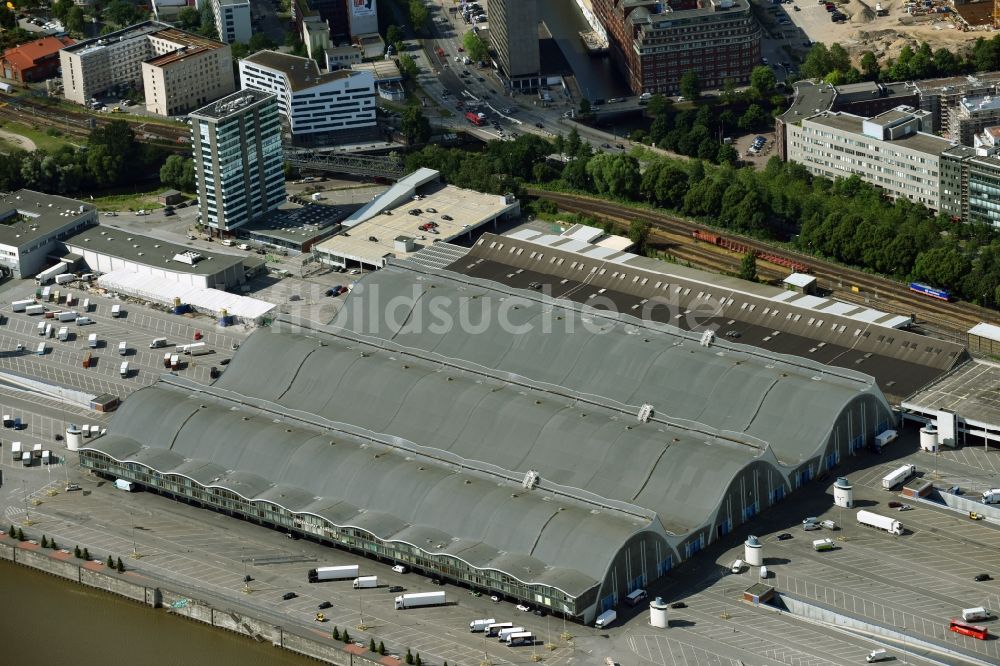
x=972 y=115
x=31 y=226
x=891 y=150
x=391 y=226
x=238 y=159
x=317 y=107
x=106 y=249
x=177 y=70
x=655 y=42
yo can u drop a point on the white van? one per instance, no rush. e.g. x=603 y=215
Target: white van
x=877 y=655
x=228 y=242
x=92 y=340
x=974 y=614
x=157 y=343
x=40 y=328
x=764 y=573
x=116 y=310
x=605 y=619
x=83 y=321
x=122 y=348
x=40 y=350
x=123 y=370
x=829 y=524
x=737 y=566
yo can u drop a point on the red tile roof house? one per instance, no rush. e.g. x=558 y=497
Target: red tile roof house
x=33 y=61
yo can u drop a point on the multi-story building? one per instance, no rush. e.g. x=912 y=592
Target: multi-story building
x=972 y=115
x=347 y=19
x=974 y=178
x=891 y=150
x=655 y=42
x=238 y=159
x=514 y=41
x=33 y=61
x=939 y=96
x=315 y=35
x=342 y=57
x=336 y=105
x=232 y=20
x=178 y=70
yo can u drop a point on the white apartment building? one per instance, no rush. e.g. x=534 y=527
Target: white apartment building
x=177 y=70
x=890 y=150
x=232 y=20
x=338 y=104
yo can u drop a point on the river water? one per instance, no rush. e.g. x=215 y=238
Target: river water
x=596 y=77
x=47 y=620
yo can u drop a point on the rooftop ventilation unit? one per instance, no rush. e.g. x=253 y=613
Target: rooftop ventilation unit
x=530 y=479
x=190 y=257
x=645 y=412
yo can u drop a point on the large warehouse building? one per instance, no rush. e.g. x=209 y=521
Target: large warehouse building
x=493 y=423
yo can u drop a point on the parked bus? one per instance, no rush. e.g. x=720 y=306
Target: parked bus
x=974 y=630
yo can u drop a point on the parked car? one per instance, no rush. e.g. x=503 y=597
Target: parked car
x=895 y=505
x=324 y=605
x=288 y=595
x=397 y=588
x=523 y=608
x=982 y=577
x=678 y=604
x=784 y=536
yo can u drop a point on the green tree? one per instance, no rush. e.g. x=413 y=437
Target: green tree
x=393 y=34
x=408 y=67
x=409 y=656
x=86 y=554
x=12 y=532
x=762 y=81
x=752 y=118
x=573 y=142
x=74 y=20
x=870 y=67
x=748 y=267
x=417 y=661
x=110 y=563
x=381 y=647
x=20 y=534
x=727 y=155
x=77 y=553
x=657 y=105
x=120 y=565
x=690 y=84
x=8 y=20
x=415 y=126
x=336 y=634
x=189 y=18
x=53 y=545
x=817 y=62
x=475 y=46
x=260 y=42
x=346 y=637
x=638 y=233
x=60 y=8
x=419 y=15
x=617 y=175
x=585 y=107
x=123 y=13
x=371 y=645
x=45 y=541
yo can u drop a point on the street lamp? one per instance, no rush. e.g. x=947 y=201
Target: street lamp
x=135 y=550
x=24 y=494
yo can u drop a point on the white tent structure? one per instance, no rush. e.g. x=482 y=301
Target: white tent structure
x=210 y=301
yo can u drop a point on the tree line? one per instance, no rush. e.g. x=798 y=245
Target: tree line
x=846 y=220
x=111 y=158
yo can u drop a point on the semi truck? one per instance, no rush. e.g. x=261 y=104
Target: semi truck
x=880 y=522
x=884 y=438
x=320 y=574
x=520 y=638
x=35 y=309
x=476 y=119
x=898 y=476
x=21 y=306
x=365 y=582
x=65 y=278
x=507 y=631
x=67 y=315
x=419 y=599
x=991 y=496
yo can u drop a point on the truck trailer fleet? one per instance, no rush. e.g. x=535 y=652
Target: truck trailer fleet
x=321 y=574
x=419 y=599
x=880 y=522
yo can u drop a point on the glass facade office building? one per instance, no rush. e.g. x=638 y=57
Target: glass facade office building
x=238 y=159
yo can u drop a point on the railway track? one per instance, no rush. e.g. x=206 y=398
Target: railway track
x=951 y=319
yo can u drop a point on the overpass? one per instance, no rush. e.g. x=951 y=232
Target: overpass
x=387 y=166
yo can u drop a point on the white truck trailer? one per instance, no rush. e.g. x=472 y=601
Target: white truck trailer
x=991 y=496
x=476 y=626
x=21 y=306
x=898 y=476
x=880 y=522
x=605 y=619
x=363 y=582
x=320 y=574
x=420 y=599
x=974 y=614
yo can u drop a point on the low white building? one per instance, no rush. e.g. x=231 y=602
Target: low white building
x=316 y=105
x=31 y=226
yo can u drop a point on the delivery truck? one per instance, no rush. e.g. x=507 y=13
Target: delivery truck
x=116 y=310
x=605 y=619
x=122 y=348
x=520 y=638
x=92 y=340
x=63 y=333
x=419 y=599
x=67 y=315
x=475 y=626
x=507 y=631
x=991 y=496
x=898 y=476
x=823 y=544
x=40 y=350
x=884 y=438
x=880 y=522
x=123 y=370
x=175 y=362
x=15 y=451
x=35 y=309
x=65 y=278
x=973 y=614
x=492 y=630
x=46 y=457
x=321 y=574
x=127 y=486
x=21 y=306
x=364 y=582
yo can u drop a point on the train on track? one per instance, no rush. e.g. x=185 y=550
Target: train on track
x=736 y=246
x=933 y=292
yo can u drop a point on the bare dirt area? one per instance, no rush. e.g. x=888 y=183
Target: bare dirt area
x=18 y=141
x=804 y=21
